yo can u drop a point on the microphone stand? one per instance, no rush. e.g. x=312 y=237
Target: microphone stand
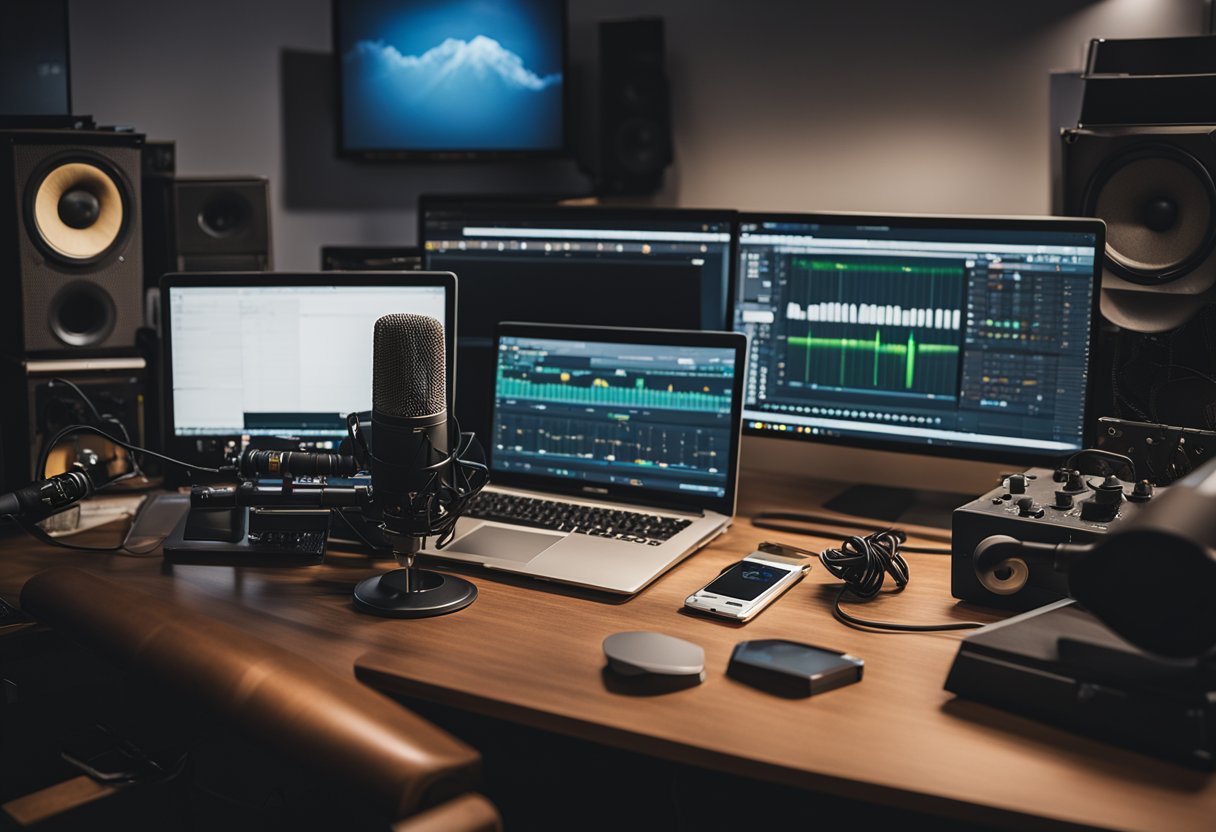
x=412 y=592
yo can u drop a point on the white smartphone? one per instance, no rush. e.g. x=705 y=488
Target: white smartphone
x=750 y=585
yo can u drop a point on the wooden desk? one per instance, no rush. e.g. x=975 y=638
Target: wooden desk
x=533 y=657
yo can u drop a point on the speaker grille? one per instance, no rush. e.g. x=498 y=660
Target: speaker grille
x=409 y=374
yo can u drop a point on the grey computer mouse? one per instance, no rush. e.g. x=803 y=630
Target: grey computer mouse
x=641 y=653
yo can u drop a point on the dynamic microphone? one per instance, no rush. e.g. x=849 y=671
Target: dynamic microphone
x=296 y=464
x=418 y=481
x=44 y=498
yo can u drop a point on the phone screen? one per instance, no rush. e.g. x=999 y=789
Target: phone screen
x=746 y=580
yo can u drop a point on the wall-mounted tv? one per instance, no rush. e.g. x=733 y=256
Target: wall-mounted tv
x=451 y=79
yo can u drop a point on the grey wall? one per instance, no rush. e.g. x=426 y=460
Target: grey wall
x=882 y=105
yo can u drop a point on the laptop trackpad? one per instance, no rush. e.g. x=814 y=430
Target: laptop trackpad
x=505 y=544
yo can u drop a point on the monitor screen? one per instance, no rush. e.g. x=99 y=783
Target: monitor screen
x=650 y=415
x=459 y=78
x=34 y=66
x=616 y=413
x=572 y=264
x=963 y=336
x=281 y=355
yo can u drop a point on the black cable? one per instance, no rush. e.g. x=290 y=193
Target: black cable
x=101 y=418
x=1104 y=455
x=38 y=533
x=1193 y=371
x=1117 y=370
x=70 y=429
x=863 y=563
x=764 y=520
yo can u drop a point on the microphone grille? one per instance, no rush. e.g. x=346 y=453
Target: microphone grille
x=409 y=373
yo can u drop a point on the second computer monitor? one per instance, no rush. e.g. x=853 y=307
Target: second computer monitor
x=254 y=357
x=964 y=336
x=591 y=265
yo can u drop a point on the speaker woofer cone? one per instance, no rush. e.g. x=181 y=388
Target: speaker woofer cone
x=225 y=215
x=79 y=211
x=82 y=314
x=1159 y=205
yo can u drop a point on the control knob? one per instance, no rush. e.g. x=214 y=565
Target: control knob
x=1104 y=505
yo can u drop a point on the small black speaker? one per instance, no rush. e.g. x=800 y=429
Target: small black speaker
x=222 y=224
x=1153 y=185
x=70 y=241
x=634 y=131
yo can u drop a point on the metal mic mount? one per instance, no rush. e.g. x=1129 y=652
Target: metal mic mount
x=248 y=495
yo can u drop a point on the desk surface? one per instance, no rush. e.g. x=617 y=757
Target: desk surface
x=534 y=657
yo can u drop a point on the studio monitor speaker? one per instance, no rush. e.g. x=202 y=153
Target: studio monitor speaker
x=222 y=224
x=1153 y=185
x=70 y=244
x=634 y=107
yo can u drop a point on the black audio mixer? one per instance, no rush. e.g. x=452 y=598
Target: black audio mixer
x=1040 y=506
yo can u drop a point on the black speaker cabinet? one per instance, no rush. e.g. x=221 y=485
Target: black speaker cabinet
x=1153 y=185
x=160 y=252
x=222 y=224
x=634 y=129
x=38 y=405
x=70 y=241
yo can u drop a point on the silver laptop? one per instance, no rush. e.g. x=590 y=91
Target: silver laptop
x=614 y=454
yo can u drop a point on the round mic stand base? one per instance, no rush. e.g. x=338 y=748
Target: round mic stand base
x=413 y=593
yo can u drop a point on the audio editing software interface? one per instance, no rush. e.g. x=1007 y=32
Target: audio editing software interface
x=922 y=336
x=623 y=414
x=581 y=265
x=279 y=360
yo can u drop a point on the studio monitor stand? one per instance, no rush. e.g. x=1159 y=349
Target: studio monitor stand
x=921 y=507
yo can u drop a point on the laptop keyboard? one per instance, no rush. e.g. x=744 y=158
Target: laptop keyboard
x=631 y=526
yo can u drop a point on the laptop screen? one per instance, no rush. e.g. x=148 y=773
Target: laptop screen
x=282 y=355
x=654 y=419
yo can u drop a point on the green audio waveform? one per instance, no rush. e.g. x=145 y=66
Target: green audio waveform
x=882 y=268
x=908 y=350
x=602 y=393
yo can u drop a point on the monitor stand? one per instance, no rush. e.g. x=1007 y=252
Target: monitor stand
x=914 y=506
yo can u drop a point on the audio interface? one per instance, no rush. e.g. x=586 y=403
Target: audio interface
x=1043 y=506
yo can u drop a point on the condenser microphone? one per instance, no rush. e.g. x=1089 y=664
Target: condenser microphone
x=410 y=463
x=42 y=499
x=412 y=468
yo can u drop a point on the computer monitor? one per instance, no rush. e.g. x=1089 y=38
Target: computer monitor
x=34 y=58
x=969 y=337
x=463 y=79
x=252 y=357
x=371 y=258
x=593 y=265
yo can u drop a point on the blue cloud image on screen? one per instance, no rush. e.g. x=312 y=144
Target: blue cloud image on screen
x=459 y=76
